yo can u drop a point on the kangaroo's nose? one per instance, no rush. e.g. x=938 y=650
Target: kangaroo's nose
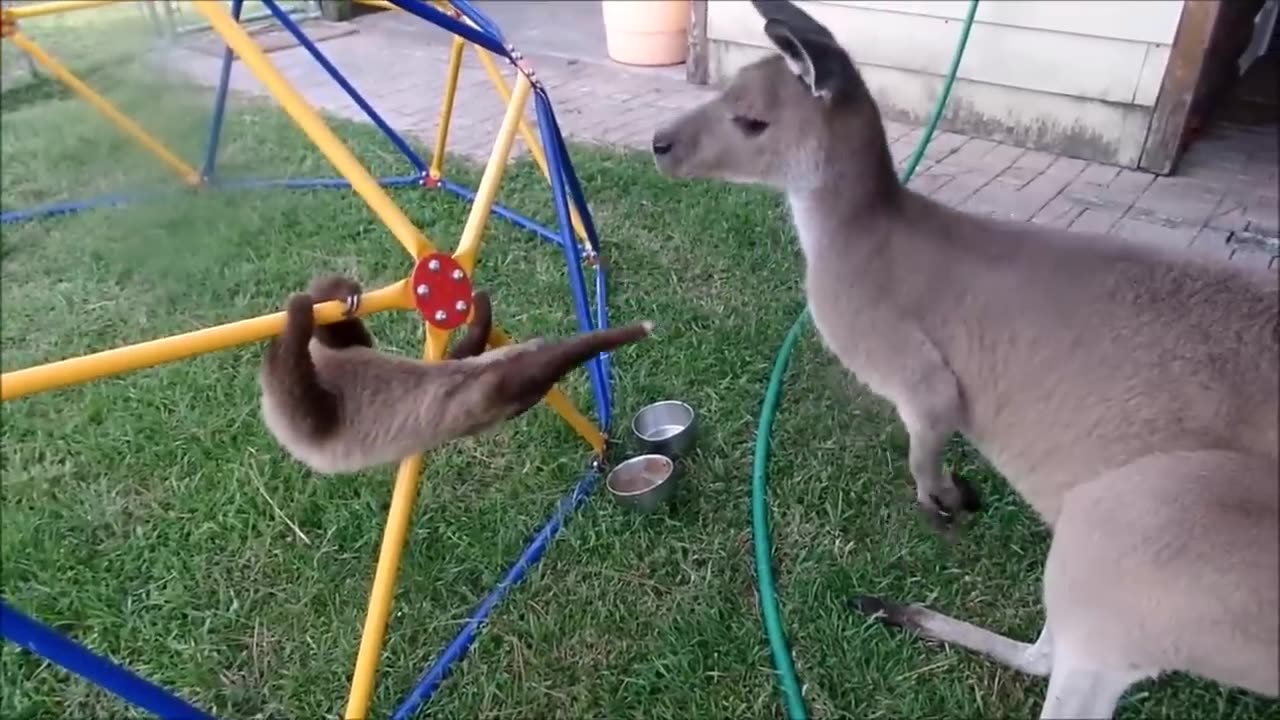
x=661 y=144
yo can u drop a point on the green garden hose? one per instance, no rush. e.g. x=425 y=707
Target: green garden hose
x=783 y=666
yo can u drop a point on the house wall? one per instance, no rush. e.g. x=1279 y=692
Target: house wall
x=1078 y=78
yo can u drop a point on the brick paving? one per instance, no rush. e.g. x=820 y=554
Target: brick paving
x=1223 y=201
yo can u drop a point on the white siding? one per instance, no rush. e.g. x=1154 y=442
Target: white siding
x=1138 y=20
x=1086 y=69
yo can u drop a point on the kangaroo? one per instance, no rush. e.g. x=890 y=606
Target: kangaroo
x=337 y=405
x=1130 y=395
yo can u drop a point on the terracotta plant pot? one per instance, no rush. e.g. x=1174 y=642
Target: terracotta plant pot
x=646 y=32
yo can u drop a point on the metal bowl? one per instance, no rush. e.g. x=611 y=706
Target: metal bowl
x=644 y=482
x=666 y=428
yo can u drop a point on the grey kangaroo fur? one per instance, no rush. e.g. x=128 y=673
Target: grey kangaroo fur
x=337 y=405
x=1131 y=396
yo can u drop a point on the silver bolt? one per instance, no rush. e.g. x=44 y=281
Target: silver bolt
x=423 y=290
x=461 y=306
x=458 y=274
x=441 y=316
x=433 y=264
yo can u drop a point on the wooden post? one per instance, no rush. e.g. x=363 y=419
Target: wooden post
x=1181 y=78
x=698 y=68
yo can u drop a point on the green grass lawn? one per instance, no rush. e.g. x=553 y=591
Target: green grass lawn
x=138 y=511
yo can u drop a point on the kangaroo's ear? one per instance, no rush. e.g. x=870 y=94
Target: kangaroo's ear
x=821 y=63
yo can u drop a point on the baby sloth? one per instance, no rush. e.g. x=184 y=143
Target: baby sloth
x=338 y=405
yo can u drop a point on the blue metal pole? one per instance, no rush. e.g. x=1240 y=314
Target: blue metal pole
x=593 y=238
x=503 y=212
x=73 y=206
x=480 y=36
x=395 y=180
x=55 y=647
x=66 y=208
x=473 y=14
x=287 y=22
x=573 y=259
x=532 y=553
x=219 y=103
x=571 y=176
x=602 y=321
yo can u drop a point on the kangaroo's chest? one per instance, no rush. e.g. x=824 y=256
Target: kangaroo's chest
x=866 y=334
x=846 y=299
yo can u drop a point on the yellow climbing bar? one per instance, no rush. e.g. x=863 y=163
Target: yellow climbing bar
x=99 y=103
x=19 y=12
x=414 y=242
x=74 y=371
x=398 y=295
x=446 y=107
x=382 y=593
x=487 y=191
x=531 y=140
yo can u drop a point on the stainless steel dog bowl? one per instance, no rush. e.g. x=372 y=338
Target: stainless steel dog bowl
x=666 y=428
x=644 y=482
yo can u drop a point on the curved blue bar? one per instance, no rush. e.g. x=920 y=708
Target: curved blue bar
x=571 y=176
x=473 y=14
x=533 y=552
x=287 y=22
x=602 y=322
x=220 y=102
x=66 y=208
x=61 y=650
x=75 y=206
x=393 y=181
x=503 y=212
x=573 y=257
x=593 y=238
x=481 y=36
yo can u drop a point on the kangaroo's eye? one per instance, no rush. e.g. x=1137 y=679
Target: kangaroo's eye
x=750 y=126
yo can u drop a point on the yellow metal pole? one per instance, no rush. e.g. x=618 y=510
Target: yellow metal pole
x=314 y=126
x=384 y=576
x=531 y=139
x=378 y=4
x=54 y=8
x=559 y=402
x=446 y=108
x=117 y=118
x=82 y=369
x=473 y=231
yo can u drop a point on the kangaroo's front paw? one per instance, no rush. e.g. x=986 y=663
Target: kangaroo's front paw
x=886 y=612
x=942 y=504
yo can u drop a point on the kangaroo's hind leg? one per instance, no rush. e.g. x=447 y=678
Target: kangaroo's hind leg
x=1030 y=658
x=1079 y=688
x=1169 y=563
x=1084 y=691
